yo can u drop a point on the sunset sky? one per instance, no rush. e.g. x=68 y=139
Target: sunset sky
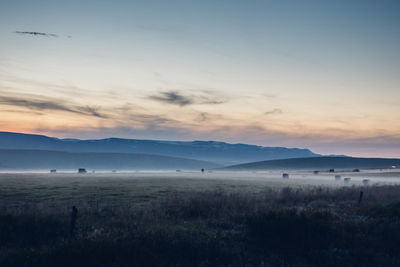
x=323 y=75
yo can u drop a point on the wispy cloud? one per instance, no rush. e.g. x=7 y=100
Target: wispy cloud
x=29 y=112
x=180 y=99
x=203 y=116
x=93 y=111
x=37 y=33
x=207 y=117
x=40 y=103
x=172 y=97
x=274 y=111
x=269 y=95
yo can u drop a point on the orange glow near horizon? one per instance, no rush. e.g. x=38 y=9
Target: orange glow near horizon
x=233 y=77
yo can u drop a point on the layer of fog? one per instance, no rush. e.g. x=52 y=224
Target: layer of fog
x=296 y=178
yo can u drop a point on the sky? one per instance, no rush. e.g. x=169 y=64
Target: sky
x=323 y=75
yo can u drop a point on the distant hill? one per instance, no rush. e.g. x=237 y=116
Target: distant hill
x=219 y=152
x=317 y=163
x=42 y=159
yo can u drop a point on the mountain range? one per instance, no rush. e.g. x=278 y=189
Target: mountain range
x=22 y=159
x=317 y=163
x=216 y=152
x=20 y=151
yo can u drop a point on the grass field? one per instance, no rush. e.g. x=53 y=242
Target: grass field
x=199 y=219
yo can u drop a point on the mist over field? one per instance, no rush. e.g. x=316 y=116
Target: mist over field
x=63 y=208
x=193 y=218
x=199 y=133
x=130 y=202
x=102 y=208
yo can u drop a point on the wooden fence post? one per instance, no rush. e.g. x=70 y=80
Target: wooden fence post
x=360 y=199
x=74 y=214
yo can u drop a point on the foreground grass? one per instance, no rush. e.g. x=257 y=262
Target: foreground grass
x=287 y=227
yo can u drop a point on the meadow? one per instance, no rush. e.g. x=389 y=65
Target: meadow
x=200 y=219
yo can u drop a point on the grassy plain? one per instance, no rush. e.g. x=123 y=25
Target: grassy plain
x=199 y=219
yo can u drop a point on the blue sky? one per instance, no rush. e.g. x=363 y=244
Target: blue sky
x=316 y=74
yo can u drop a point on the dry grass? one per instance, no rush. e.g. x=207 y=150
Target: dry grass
x=184 y=225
